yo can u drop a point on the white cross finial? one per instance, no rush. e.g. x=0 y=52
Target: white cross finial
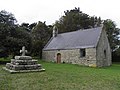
x=23 y=51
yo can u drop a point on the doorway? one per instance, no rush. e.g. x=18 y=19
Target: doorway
x=58 y=58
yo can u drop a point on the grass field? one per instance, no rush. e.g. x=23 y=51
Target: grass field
x=63 y=77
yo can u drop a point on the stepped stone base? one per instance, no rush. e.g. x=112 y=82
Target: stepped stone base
x=23 y=64
x=23 y=67
x=23 y=71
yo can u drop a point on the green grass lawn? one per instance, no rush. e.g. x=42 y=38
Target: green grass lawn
x=63 y=77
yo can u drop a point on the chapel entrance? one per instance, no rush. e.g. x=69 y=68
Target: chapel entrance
x=58 y=58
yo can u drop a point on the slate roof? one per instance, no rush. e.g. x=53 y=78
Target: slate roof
x=77 y=39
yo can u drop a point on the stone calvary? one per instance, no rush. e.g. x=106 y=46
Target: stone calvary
x=23 y=63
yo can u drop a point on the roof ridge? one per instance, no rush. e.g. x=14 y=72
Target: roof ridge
x=80 y=30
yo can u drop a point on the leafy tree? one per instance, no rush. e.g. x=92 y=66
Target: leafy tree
x=40 y=37
x=7 y=23
x=7 y=18
x=31 y=26
x=12 y=36
x=75 y=19
x=112 y=33
x=28 y=26
x=19 y=37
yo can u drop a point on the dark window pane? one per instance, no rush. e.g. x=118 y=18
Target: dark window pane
x=82 y=53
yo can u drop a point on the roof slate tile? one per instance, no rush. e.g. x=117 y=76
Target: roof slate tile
x=77 y=39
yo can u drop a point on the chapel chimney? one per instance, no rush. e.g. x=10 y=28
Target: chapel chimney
x=55 y=31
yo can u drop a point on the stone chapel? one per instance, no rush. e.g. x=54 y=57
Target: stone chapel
x=89 y=47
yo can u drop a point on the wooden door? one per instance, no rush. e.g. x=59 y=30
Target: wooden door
x=58 y=58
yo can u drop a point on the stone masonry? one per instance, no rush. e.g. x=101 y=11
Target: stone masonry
x=72 y=56
x=23 y=64
x=103 y=56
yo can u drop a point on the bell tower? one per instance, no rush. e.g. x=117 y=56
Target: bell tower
x=55 y=31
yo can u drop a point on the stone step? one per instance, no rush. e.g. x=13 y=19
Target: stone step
x=23 y=71
x=24 y=62
x=23 y=57
x=23 y=67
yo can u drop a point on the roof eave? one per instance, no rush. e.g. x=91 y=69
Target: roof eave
x=69 y=48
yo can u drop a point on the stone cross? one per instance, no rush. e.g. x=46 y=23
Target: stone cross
x=23 y=51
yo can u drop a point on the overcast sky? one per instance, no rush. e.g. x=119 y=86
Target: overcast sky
x=31 y=11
